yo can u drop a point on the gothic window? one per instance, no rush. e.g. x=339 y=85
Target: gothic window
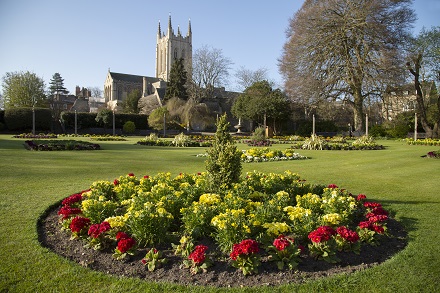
x=183 y=53
x=175 y=53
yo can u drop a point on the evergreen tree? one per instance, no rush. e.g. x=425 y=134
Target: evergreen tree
x=56 y=85
x=176 y=86
x=130 y=104
x=224 y=160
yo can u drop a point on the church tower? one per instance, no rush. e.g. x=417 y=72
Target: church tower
x=170 y=47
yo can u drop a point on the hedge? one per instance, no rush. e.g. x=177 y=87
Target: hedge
x=21 y=119
x=87 y=120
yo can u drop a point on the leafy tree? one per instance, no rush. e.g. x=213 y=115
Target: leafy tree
x=155 y=120
x=210 y=69
x=176 y=86
x=341 y=49
x=105 y=117
x=260 y=101
x=130 y=104
x=56 y=85
x=424 y=65
x=23 y=89
x=224 y=160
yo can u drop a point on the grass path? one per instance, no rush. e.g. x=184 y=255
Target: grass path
x=30 y=182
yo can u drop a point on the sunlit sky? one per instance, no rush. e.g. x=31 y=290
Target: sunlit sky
x=83 y=39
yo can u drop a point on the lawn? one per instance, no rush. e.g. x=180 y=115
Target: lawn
x=32 y=181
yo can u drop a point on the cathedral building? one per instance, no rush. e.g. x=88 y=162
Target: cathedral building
x=169 y=47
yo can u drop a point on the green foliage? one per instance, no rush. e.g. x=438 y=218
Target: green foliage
x=305 y=127
x=21 y=118
x=259 y=100
x=400 y=125
x=156 y=118
x=176 y=86
x=130 y=104
x=223 y=163
x=105 y=117
x=377 y=131
x=56 y=85
x=314 y=142
x=23 y=89
x=259 y=134
x=129 y=127
x=84 y=119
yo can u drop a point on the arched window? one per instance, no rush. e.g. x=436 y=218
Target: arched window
x=175 y=53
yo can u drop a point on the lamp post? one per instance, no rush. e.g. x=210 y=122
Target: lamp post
x=33 y=119
x=164 y=125
x=114 y=130
x=76 y=123
x=313 y=126
x=415 y=126
x=366 y=124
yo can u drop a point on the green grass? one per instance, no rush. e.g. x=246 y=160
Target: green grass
x=30 y=182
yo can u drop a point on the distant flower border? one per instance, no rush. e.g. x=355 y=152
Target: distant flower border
x=432 y=155
x=40 y=135
x=60 y=145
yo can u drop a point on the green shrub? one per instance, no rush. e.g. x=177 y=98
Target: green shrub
x=224 y=160
x=21 y=118
x=377 y=131
x=129 y=127
x=314 y=142
x=259 y=134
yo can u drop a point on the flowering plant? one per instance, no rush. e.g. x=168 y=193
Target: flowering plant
x=347 y=240
x=285 y=252
x=245 y=256
x=153 y=259
x=185 y=246
x=126 y=245
x=78 y=226
x=197 y=260
x=97 y=236
x=323 y=245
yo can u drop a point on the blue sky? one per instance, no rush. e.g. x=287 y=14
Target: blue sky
x=82 y=39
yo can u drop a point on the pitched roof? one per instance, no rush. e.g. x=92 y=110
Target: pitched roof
x=132 y=78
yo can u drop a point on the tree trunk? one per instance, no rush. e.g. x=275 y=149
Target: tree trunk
x=358 y=110
x=419 y=94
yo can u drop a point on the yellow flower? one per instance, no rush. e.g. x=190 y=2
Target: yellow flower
x=116 y=221
x=331 y=219
x=209 y=198
x=276 y=228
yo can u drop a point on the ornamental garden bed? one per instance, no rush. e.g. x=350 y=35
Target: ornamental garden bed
x=60 y=145
x=268 y=229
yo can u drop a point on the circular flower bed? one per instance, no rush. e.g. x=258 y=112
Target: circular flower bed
x=59 y=145
x=273 y=225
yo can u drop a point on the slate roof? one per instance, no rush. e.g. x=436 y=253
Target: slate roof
x=132 y=78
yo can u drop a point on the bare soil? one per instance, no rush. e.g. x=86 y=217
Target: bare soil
x=221 y=274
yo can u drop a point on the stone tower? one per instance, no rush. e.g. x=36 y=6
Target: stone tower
x=170 y=47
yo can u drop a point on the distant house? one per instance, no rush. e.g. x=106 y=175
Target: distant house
x=398 y=101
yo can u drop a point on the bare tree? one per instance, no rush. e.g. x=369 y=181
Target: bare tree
x=424 y=66
x=247 y=77
x=345 y=49
x=210 y=69
x=95 y=91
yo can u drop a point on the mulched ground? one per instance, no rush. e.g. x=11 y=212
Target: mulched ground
x=221 y=274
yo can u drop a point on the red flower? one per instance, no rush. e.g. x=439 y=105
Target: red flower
x=97 y=229
x=361 y=197
x=131 y=174
x=376 y=218
x=373 y=205
x=282 y=242
x=365 y=225
x=125 y=244
x=67 y=211
x=72 y=199
x=378 y=229
x=146 y=177
x=198 y=256
x=321 y=234
x=116 y=182
x=245 y=247
x=121 y=235
x=332 y=186
x=79 y=223
x=347 y=234
x=198 y=173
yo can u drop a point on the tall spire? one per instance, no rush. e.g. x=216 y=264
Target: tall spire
x=189 y=28
x=159 y=31
x=170 y=28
